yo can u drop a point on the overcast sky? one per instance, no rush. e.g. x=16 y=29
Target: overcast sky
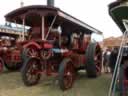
x=92 y=12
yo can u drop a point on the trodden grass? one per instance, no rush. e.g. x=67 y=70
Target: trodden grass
x=11 y=85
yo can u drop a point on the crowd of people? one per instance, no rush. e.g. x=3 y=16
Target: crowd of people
x=109 y=59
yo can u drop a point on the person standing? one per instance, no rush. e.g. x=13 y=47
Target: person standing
x=113 y=58
x=106 y=60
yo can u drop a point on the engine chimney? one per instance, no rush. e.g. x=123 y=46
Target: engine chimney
x=50 y=3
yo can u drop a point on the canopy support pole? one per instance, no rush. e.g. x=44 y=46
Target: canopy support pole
x=43 y=33
x=23 y=33
x=50 y=27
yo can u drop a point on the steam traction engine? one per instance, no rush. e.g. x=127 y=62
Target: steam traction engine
x=58 y=45
x=10 y=56
x=118 y=11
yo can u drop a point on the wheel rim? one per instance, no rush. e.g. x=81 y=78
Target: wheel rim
x=98 y=59
x=32 y=52
x=68 y=76
x=31 y=73
x=45 y=54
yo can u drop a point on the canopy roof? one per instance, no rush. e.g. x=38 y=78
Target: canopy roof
x=18 y=14
x=119 y=12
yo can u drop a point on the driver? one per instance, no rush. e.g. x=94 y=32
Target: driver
x=86 y=40
x=75 y=41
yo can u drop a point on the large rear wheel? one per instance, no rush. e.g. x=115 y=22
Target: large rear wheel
x=66 y=74
x=93 y=60
x=30 y=71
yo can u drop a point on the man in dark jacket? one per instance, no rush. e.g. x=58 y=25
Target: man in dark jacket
x=113 y=58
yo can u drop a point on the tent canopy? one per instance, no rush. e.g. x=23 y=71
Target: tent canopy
x=119 y=12
x=63 y=19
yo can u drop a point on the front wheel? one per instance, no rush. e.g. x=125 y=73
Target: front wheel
x=30 y=71
x=66 y=74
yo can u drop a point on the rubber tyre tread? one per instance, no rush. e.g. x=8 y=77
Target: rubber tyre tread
x=90 y=65
x=61 y=73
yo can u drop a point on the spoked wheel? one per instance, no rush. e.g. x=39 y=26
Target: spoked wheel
x=30 y=71
x=93 y=60
x=98 y=59
x=66 y=74
x=1 y=65
x=32 y=52
x=29 y=52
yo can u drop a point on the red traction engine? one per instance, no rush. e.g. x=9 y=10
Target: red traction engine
x=10 y=56
x=58 y=43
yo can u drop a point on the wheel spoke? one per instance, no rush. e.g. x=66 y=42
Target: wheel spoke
x=33 y=78
x=98 y=59
x=68 y=77
x=66 y=74
x=32 y=53
x=31 y=73
x=29 y=77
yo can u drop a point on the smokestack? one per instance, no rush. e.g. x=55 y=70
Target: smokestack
x=21 y=3
x=50 y=3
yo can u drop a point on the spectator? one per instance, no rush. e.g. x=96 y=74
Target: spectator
x=106 y=60
x=113 y=58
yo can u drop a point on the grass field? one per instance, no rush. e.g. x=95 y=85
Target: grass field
x=11 y=85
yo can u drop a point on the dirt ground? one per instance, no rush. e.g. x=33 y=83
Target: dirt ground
x=11 y=85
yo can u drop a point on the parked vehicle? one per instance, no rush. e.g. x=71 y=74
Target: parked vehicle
x=8 y=53
x=58 y=45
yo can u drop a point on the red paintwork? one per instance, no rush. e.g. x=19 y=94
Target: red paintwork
x=33 y=44
x=12 y=56
x=47 y=45
x=67 y=54
x=126 y=82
